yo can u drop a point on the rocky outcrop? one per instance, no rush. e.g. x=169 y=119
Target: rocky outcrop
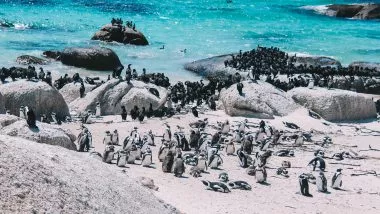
x=355 y=11
x=38 y=96
x=364 y=65
x=37 y=178
x=30 y=60
x=45 y=133
x=317 y=61
x=115 y=93
x=70 y=91
x=335 y=104
x=211 y=67
x=118 y=33
x=6 y=120
x=259 y=100
x=214 y=66
x=2 y=104
x=93 y=58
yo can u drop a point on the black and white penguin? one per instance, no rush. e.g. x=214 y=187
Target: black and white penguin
x=318 y=162
x=108 y=154
x=131 y=153
x=215 y=161
x=147 y=158
x=242 y=185
x=321 y=182
x=261 y=174
x=121 y=159
x=244 y=159
x=240 y=87
x=141 y=116
x=178 y=166
x=31 y=118
x=337 y=179
x=304 y=185
x=230 y=147
x=291 y=125
x=202 y=163
x=167 y=164
x=194 y=138
x=163 y=151
x=216 y=186
x=123 y=113
x=195 y=172
x=115 y=137
x=282 y=171
x=286 y=164
x=223 y=177
x=194 y=111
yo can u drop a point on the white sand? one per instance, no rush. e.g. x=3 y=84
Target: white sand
x=189 y=195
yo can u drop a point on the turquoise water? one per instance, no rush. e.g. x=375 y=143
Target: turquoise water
x=204 y=27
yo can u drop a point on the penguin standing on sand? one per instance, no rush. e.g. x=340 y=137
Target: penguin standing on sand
x=230 y=147
x=337 y=179
x=123 y=113
x=97 y=110
x=142 y=115
x=164 y=150
x=22 y=112
x=178 y=166
x=167 y=164
x=318 y=162
x=115 y=137
x=261 y=174
x=321 y=182
x=304 y=184
x=31 y=118
x=147 y=158
x=81 y=90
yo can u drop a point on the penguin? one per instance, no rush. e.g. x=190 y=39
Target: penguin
x=321 y=182
x=247 y=146
x=121 y=159
x=131 y=153
x=225 y=128
x=123 y=114
x=337 y=179
x=242 y=185
x=194 y=138
x=194 y=111
x=107 y=140
x=167 y=134
x=31 y=118
x=108 y=154
x=223 y=177
x=150 y=139
x=314 y=115
x=299 y=140
x=216 y=186
x=286 y=164
x=291 y=125
x=239 y=87
x=230 y=148
x=178 y=166
x=311 y=84
x=147 y=158
x=195 y=172
x=202 y=163
x=251 y=170
x=261 y=174
x=167 y=164
x=115 y=137
x=141 y=116
x=318 y=162
x=97 y=110
x=244 y=159
x=242 y=126
x=163 y=151
x=215 y=161
x=282 y=171
x=304 y=185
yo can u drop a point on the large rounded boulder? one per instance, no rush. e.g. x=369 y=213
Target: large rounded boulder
x=317 y=61
x=118 y=33
x=335 y=104
x=114 y=93
x=70 y=91
x=30 y=60
x=93 y=58
x=38 y=96
x=212 y=67
x=366 y=65
x=44 y=133
x=259 y=100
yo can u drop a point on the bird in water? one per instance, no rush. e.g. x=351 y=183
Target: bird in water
x=162 y=48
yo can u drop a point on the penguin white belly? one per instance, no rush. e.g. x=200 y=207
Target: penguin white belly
x=163 y=154
x=215 y=163
x=201 y=164
x=109 y=157
x=147 y=160
x=337 y=182
x=138 y=154
x=260 y=176
x=299 y=141
x=122 y=160
x=320 y=184
x=230 y=149
x=97 y=111
x=131 y=157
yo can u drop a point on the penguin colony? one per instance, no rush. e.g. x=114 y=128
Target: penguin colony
x=251 y=145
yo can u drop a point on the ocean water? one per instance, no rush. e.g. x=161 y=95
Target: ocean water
x=204 y=27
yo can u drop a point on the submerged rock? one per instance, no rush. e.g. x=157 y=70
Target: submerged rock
x=93 y=58
x=335 y=104
x=118 y=33
x=259 y=100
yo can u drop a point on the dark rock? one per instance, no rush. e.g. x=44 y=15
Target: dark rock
x=117 y=33
x=30 y=60
x=364 y=65
x=94 y=58
x=356 y=11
